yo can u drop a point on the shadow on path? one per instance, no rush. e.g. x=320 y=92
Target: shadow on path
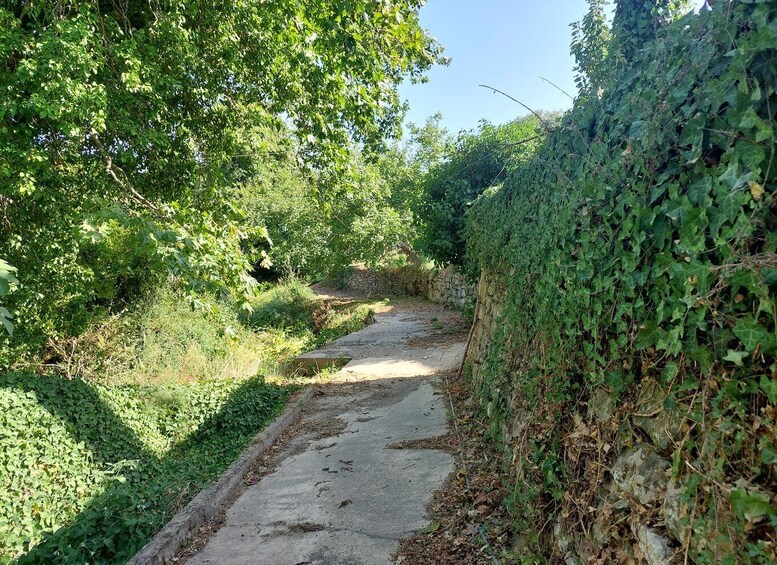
x=358 y=470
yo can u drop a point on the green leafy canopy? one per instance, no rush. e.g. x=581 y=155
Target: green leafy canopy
x=121 y=125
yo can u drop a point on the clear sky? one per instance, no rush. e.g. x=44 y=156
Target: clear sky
x=508 y=44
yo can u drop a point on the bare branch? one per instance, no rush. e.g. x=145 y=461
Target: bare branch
x=496 y=90
x=124 y=181
x=557 y=87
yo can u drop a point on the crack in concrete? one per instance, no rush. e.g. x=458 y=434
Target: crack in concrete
x=367 y=534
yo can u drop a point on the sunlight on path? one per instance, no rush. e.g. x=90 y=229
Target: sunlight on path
x=343 y=492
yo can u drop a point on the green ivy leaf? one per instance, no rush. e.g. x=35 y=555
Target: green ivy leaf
x=769 y=387
x=751 y=333
x=768 y=455
x=651 y=334
x=750 y=505
x=736 y=357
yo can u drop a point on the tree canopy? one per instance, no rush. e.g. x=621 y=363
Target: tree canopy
x=121 y=124
x=463 y=169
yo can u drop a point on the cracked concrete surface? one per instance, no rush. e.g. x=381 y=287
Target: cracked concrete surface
x=341 y=495
x=400 y=343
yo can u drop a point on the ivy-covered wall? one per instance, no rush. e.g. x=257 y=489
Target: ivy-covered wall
x=625 y=336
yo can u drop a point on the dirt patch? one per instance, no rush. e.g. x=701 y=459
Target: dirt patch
x=301 y=528
x=372 y=394
x=306 y=527
x=470 y=523
x=443 y=443
x=436 y=339
x=324 y=428
x=381 y=395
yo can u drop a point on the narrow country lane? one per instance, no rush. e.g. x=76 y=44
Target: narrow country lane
x=356 y=476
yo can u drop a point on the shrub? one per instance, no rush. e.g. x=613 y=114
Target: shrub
x=288 y=306
x=162 y=337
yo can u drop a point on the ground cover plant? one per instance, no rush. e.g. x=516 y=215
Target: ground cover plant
x=91 y=472
x=636 y=252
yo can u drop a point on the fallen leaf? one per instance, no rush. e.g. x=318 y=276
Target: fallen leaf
x=756 y=190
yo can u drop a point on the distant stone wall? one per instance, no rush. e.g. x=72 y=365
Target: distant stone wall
x=447 y=286
x=489 y=296
x=374 y=283
x=443 y=286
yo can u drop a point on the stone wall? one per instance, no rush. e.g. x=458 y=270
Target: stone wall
x=443 y=286
x=636 y=510
x=489 y=308
x=374 y=283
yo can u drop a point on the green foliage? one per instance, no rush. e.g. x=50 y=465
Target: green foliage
x=164 y=401
x=131 y=136
x=334 y=323
x=430 y=144
x=293 y=308
x=160 y=338
x=121 y=125
x=476 y=161
x=637 y=22
x=90 y=472
x=288 y=306
x=590 y=41
x=7 y=283
x=638 y=243
x=172 y=338
x=320 y=222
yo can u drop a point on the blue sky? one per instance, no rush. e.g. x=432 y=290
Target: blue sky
x=508 y=44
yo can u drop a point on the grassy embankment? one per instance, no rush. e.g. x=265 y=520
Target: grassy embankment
x=136 y=416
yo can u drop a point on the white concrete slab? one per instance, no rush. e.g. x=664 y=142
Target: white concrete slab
x=343 y=494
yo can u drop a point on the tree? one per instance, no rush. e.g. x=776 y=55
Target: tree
x=120 y=121
x=320 y=222
x=476 y=161
x=429 y=144
x=590 y=41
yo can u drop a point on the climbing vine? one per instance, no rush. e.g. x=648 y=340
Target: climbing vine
x=638 y=246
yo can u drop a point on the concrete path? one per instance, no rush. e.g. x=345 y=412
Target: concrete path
x=353 y=481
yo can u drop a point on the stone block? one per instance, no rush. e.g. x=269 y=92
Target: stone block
x=601 y=406
x=654 y=547
x=659 y=419
x=675 y=510
x=642 y=474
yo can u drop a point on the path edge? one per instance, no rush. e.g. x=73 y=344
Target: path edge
x=166 y=543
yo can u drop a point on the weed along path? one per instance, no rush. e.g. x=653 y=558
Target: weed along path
x=356 y=472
